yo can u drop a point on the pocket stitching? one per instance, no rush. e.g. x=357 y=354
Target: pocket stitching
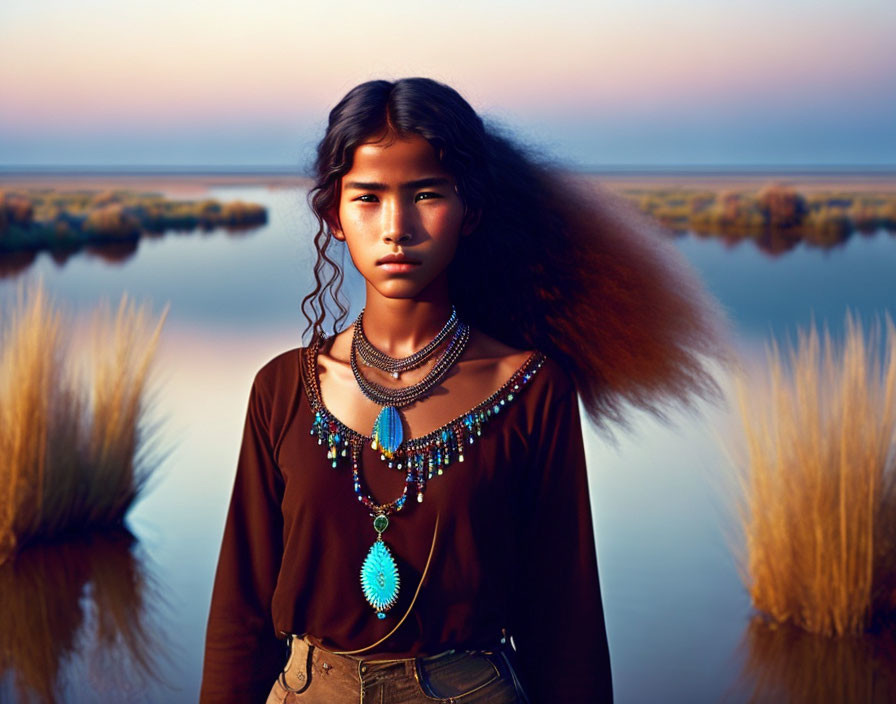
x=421 y=682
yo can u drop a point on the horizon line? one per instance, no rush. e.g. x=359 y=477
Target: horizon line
x=283 y=169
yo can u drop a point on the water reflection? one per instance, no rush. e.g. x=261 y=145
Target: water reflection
x=115 y=252
x=61 y=255
x=783 y=663
x=14 y=263
x=87 y=596
x=776 y=242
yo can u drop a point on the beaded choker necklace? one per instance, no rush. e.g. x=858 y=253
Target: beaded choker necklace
x=420 y=459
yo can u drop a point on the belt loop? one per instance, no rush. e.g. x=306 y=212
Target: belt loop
x=299 y=663
x=507 y=640
x=288 y=641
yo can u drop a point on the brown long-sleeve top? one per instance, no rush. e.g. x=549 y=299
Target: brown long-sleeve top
x=514 y=547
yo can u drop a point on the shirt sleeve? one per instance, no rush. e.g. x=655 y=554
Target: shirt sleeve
x=557 y=613
x=243 y=653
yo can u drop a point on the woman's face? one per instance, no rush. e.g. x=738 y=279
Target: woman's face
x=397 y=200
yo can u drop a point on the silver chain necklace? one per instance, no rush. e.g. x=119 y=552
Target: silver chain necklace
x=373 y=357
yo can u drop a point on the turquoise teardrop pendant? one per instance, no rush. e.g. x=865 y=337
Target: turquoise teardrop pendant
x=379 y=573
x=387 y=431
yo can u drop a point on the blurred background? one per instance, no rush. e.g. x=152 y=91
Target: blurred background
x=691 y=109
x=644 y=83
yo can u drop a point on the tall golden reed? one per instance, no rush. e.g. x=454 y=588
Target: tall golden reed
x=75 y=446
x=818 y=485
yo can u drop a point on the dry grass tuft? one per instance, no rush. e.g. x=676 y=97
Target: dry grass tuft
x=818 y=485
x=75 y=444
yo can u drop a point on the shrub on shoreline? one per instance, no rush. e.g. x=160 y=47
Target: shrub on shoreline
x=818 y=485
x=821 y=219
x=47 y=219
x=75 y=450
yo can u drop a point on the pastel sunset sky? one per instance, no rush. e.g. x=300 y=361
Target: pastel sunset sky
x=638 y=83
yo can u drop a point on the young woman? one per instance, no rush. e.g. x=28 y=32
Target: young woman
x=410 y=520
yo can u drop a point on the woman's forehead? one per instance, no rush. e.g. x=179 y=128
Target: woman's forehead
x=395 y=158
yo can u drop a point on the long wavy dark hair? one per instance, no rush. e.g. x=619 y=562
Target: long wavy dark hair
x=556 y=263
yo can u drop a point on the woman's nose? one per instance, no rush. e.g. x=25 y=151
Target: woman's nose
x=397 y=227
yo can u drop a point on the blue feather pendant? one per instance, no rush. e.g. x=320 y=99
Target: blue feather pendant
x=387 y=431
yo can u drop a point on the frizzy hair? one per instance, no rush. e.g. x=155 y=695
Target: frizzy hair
x=555 y=263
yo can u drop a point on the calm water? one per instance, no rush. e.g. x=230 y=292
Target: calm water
x=677 y=614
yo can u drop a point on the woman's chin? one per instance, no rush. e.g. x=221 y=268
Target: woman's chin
x=399 y=292
x=399 y=287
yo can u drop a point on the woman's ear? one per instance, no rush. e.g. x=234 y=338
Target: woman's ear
x=331 y=219
x=470 y=222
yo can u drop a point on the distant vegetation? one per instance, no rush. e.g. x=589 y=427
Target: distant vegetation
x=50 y=219
x=818 y=492
x=821 y=219
x=73 y=436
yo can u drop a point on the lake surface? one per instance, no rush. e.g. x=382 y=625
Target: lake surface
x=678 y=617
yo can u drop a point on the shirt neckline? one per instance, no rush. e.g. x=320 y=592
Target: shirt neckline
x=308 y=356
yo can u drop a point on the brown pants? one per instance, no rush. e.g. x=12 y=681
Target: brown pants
x=318 y=676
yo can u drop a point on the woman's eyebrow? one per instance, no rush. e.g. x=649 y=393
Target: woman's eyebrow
x=419 y=183
x=427 y=182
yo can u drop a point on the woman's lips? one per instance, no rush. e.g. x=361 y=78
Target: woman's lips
x=397 y=263
x=397 y=267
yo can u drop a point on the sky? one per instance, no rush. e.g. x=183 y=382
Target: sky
x=596 y=84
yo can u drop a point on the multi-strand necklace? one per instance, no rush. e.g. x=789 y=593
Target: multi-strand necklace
x=388 y=429
x=372 y=357
x=420 y=459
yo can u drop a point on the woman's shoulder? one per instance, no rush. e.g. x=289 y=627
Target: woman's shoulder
x=550 y=378
x=504 y=358
x=551 y=386
x=280 y=371
x=556 y=376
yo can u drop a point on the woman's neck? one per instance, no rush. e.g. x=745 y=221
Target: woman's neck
x=401 y=326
